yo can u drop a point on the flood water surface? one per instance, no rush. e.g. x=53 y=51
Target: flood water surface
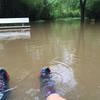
x=72 y=55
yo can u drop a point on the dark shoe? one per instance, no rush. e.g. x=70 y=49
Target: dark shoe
x=46 y=83
x=4 y=84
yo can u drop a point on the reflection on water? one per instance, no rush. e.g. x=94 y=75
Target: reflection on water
x=65 y=50
x=62 y=73
x=14 y=34
x=63 y=78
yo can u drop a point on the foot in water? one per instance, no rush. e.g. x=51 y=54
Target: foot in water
x=4 y=84
x=46 y=83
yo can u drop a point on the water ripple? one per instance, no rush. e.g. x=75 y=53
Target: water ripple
x=64 y=78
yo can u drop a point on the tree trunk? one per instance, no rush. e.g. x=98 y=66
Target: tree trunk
x=82 y=6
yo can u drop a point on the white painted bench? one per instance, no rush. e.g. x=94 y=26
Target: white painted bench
x=12 y=23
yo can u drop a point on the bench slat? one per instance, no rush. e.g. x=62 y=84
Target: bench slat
x=13 y=20
x=10 y=27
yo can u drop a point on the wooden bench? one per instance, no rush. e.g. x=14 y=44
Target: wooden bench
x=10 y=23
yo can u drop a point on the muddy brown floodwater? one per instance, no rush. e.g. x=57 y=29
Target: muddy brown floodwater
x=73 y=56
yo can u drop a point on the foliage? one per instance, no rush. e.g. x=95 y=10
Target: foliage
x=93 y=9
x=42 y=9
x=0 y=7
x=65 y=8
x=48 y=9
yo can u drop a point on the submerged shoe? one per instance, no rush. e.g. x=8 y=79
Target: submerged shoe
x=4 y=84
x=46 y=83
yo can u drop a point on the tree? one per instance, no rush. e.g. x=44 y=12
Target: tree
x=82 y=6
x=93 y=10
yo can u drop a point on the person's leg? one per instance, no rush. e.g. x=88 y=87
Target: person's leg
x=4 y=84
x=47 y=85
x=55 y=97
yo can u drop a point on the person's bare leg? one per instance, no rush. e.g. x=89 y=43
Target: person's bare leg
x=55 y=97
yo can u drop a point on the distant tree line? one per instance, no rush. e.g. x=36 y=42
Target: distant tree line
x=93 y=9
x=48 y=9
